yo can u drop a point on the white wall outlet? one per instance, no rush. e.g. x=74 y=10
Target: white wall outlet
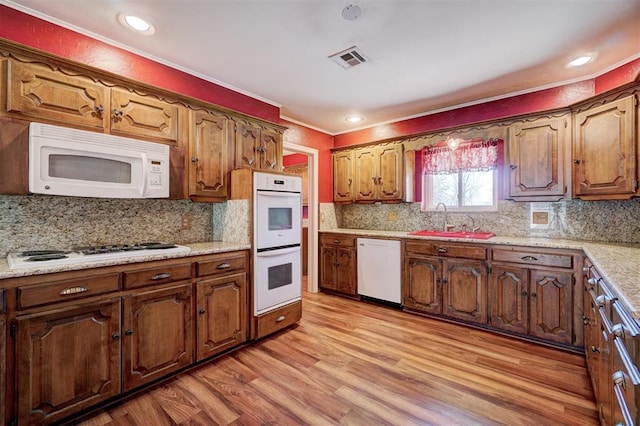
x=540 y=216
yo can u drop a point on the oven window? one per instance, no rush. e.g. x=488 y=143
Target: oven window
x=280 y=218
x=94 y=169
x=280 y=275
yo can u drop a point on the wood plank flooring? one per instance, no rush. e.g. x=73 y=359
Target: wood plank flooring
x=355 y=363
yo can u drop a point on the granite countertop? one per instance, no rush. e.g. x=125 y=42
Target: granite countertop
x=196 y=250
x=619 y=264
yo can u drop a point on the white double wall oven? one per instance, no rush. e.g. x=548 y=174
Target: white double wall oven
x=277 y=245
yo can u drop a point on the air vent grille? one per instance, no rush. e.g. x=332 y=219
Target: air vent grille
x=349 y=58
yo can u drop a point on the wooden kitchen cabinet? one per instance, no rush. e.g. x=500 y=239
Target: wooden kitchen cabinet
x=533 y=295
x=343 y=175
x=157 y=334
x=257 y=147
x=605 y=151
x=67 y=360
x=338 y=264
x=536 y=152
x=379 y=173
x=210 y=149
x=38 y=92
x=444 y=285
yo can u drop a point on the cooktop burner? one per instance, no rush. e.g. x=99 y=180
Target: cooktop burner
x=90 y=255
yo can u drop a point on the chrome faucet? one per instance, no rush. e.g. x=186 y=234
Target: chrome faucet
x=445 y=226
x=474 y=228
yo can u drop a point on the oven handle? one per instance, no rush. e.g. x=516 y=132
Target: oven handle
x=280 y=252
x=278 y=193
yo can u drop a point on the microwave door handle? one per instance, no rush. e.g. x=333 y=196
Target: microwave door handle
x=273 y=253
x=145 y=171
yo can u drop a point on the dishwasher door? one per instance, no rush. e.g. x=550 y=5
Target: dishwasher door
x=379 y=269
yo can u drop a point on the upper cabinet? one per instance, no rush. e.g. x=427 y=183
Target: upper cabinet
x=209 y=154
x=369 y=174
x=604 y=151
x=38 y=92
x=343 y=170
x=258 y=147
x=536 y=159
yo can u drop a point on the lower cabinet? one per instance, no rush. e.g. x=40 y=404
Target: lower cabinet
x=67 y=360
x=338 y=265
x=537 y=302
x=157 y=334
x=222 y=314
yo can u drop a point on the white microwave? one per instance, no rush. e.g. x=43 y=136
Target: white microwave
x=65 y=161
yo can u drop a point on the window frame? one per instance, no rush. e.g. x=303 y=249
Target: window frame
x=427 y=190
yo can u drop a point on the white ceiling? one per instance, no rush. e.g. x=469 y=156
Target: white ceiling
x=425 y=55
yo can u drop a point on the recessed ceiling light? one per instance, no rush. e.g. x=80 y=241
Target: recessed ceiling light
x=353 y=119
x=136 y=23
x=582 y=60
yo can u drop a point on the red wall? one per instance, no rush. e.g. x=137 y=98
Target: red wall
x=294 y=159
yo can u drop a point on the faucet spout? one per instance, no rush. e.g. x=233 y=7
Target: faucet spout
x=445 y=225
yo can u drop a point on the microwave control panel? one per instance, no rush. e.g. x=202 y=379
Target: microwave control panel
x=155 y=173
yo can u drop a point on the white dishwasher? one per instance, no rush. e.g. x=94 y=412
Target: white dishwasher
x=379 y=269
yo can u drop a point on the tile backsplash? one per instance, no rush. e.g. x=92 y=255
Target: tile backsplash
x=48 y=222
x=603 y=221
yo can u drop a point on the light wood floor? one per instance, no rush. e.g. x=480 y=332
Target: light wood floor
x=355 y=363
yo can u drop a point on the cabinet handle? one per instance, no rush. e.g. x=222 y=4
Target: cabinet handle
x=280 y=318
x=115 y=336
x=161 y=276
x=444 y=281
x=350 y=180
x=618 y=331
x=438 y=280
x=601 y=300
x=99 y=110
x=513 y=167
x=586 y=321
x=592 y=281
x=202 y=312
x=586 y=268
x=594 y=349
x=576 y=161
x=223 y=266
x=618 y=379
x=194 y=160
x=529 y=258
x=442 y=250
x=117 y=114
x=336 y=264
x=534 y=294
x=336 y=241
x=128 y=332
x=73 y=290
x=525 y=294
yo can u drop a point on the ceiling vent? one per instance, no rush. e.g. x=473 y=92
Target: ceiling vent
x=349 y=58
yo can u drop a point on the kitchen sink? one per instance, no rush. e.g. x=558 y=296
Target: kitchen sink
x=453 y=234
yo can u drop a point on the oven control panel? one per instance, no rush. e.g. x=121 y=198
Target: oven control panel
x=273 y=182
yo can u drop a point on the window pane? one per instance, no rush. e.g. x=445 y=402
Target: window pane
x=445 y=189
x=477 y=187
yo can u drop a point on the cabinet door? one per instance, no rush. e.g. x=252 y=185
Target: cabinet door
x=591 y=338
x=246 y=146
x=328 y=262
x=509 y=298
x=366 y=171
x=158 y=337
x=536 y=157
x=143 y=116
x=604 y=153
x=422 y=285
x=390 y=173
x=67 y=360
x=270 y=150
x=343 y=172
x=209 y=153
x=36 y=91
x=222 y=314
x=464 y=290
x=346 y=271
x=551 y=305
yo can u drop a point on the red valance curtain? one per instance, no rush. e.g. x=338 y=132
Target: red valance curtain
x=473 y=155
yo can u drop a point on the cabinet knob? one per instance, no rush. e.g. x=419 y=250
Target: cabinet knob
x=576 y=161
x=618 y=331
x=442 y=250
x=117 y=114
x=280 y=318
x=99 y=110
x=525 y=294
x=128 y=332
x=115 y=336
x=586 y=268
x=594 y=349
x=202 y=312
x=194 y=160
x=592 y=281
x=586 y=321
x=513 y=166
x=534 y=294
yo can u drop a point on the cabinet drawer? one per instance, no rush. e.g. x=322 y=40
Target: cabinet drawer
x=157 y=275
x=531 y=257
x=447 y=250
x=338 y=240
x=276 y=320
x=60 y=291
x=221 y=265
